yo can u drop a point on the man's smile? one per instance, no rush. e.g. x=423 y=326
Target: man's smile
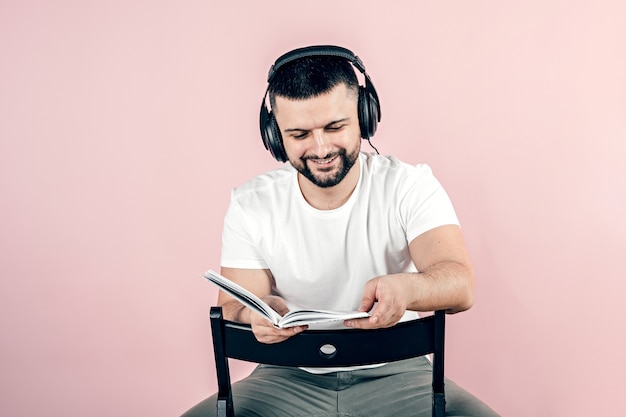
x=326 y=161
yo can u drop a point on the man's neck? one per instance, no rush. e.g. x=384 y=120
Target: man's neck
x=332 y=197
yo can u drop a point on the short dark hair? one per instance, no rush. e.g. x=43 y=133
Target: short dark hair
x=310 y=77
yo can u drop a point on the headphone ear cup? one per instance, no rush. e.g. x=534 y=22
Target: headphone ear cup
x=368 y=113
x=271 y=136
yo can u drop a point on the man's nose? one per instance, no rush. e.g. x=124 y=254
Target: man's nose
x=322 y=143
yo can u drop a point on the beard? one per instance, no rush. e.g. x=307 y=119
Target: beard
x=332 y=177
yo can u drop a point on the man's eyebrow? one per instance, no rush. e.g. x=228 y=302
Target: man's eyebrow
x=345 y=119
x=295 y=129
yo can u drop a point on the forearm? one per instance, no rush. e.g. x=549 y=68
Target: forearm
x=447 y=285
x=257 y=281
x=233 y=310
x=446 y=277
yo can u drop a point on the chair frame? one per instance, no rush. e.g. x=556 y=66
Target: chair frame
x=411 y=339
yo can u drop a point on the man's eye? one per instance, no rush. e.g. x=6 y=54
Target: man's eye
x=334 y=128
x=300 y=136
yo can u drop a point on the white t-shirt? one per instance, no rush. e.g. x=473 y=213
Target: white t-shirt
x=323 y=258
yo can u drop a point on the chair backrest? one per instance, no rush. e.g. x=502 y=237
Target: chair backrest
x=330 y=348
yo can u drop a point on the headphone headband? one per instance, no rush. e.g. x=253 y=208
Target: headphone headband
x=317 y=50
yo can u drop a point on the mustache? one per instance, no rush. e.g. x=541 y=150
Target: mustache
x=327 y=156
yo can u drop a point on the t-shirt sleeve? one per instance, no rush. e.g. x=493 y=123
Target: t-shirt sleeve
x=425 y=204
x=239 y=249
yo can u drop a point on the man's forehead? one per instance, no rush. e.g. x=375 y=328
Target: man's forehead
x=335 y=95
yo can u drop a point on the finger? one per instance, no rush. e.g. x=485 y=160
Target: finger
x=381 y=312
x=369 y=296
x=365 y=323
x=297 y=329
x=271 y=334
x=281 y=335
x=277 y=304
x=388 y=318
x=280 y=307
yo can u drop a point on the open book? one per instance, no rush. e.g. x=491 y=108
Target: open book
x=293 y=318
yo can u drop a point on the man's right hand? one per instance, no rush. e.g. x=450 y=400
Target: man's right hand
x=258 y=282
x=264 y=330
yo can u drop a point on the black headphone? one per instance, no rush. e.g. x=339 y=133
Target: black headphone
x=368 y=104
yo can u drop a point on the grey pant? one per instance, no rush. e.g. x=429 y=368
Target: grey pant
x=397 y=389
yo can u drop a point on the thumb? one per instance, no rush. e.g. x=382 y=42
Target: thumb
x=277 y=304
x=369 y=296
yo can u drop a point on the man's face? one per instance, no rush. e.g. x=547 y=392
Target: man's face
x=321 y=135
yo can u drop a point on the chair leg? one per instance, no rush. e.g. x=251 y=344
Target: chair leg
x=439 y=396
x=224 y=396
x=439 y=405
x=225 y=407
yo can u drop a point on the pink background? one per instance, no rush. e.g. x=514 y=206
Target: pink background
x=124 y=124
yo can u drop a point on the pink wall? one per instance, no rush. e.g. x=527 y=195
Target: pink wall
x=124 y=124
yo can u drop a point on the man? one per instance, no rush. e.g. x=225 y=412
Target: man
x=339 y=229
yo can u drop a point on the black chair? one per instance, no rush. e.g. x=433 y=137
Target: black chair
x=313 y=348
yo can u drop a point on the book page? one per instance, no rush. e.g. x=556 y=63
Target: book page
x=306 y=317
x=242 y=295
